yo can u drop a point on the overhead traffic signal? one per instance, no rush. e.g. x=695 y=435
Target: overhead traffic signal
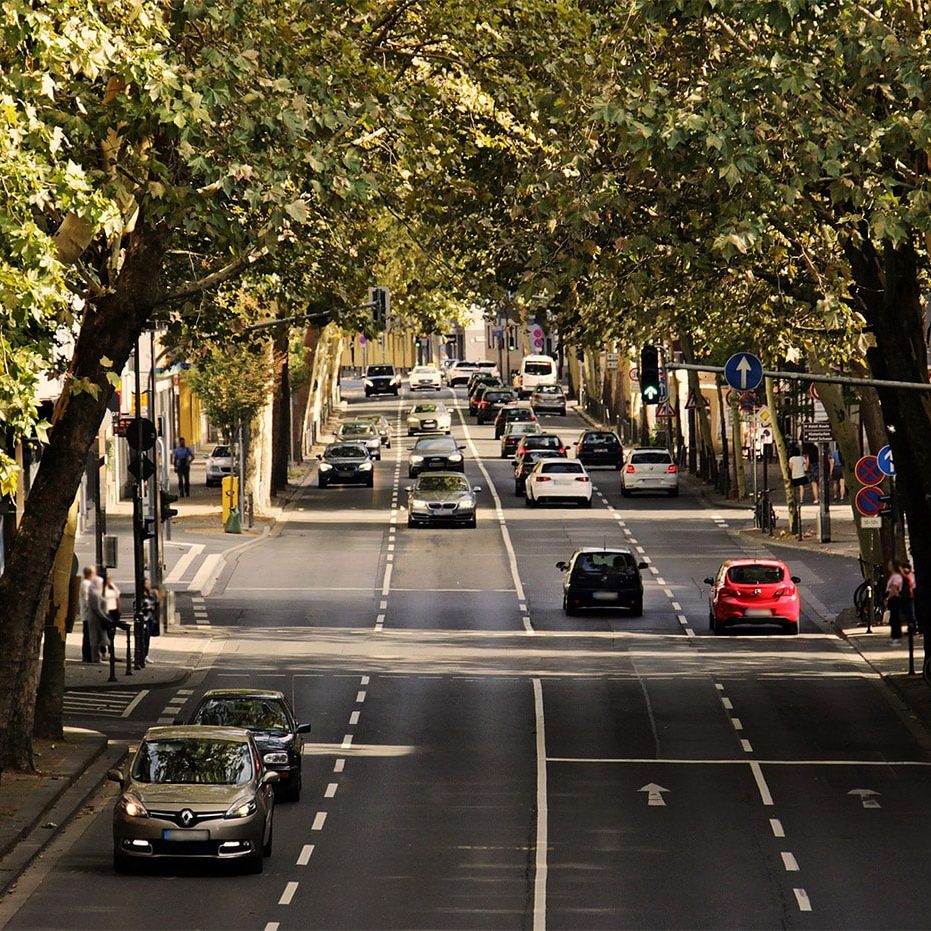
x=380 y=301
x=649 y=375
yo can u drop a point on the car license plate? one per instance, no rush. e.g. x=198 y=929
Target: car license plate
x=758 y=612
x=429 y=423
x=196 y=835
x=436 y=461
x=604 y=596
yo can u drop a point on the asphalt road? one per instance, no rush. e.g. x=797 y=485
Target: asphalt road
x=480 y=760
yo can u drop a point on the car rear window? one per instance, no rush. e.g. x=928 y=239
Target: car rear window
x=755 y=575
x=538 y=368
x=561 y=465
x=650 y=458
x=498 y=396
x=600 y=562
x=600 y=439
x=542 y=441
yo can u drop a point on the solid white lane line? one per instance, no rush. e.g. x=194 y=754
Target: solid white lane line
x=319 y=821
x=761 y=783
x=288 y=893
x=804 y=903
x=776 y=825
x=347 y=742
x=746 y=746
x=360 y=697
x=339 y=766
x=789 y=861
x=306 y=853
x=727 y=704
x=331 y=790
x=542 y=837
x=354 y=718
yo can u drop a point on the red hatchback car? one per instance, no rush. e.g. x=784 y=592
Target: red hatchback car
x=753 y=591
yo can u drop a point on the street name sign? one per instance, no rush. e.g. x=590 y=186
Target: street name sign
x=818 y=431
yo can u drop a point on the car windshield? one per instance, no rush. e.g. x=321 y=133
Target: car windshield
x=220 y=452
x=597 y=563
x=381 y=370
x=657 y=458
x=254 y=714
x=424 y=370
x=755 y=575
x=194 y=761
x=439 y=444
x=425 y=408
x=441 y=483
x=356 y=429
x=561 y=465
x=345 y=452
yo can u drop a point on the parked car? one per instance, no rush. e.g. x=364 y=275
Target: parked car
x=425 y=376
x=365 y=434
x=513 y=433
x=523 y=466
x=550 y=399
x=380 y=422
x=511 y=413
x=198 y=792
x=268 y=716
x=435 y=454
x=441 y=497
x=558 y=479
x=429 y=418
x=753 y=591
x=348 y=463
x=602 y=578
x=649 y=470
x=381 y=379
x=599 y=448
x=219 y=465
x=491 y=401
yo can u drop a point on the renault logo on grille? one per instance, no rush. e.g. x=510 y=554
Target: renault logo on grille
x=188 y=817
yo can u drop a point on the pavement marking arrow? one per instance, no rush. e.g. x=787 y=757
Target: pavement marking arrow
x=654 y=794
x=866 y=797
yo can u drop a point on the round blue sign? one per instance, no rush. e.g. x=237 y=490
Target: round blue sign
x=884 y=461
x=743 y=371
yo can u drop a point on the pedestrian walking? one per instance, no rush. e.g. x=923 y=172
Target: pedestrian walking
x=798 y=473
x=907 y=598
x=894 y=603
x=97 y=606
x=150 y=616
x=93 y=639
x=813 y=466
x=181 y=457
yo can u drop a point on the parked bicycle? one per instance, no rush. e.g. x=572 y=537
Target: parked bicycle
x=868 y=597
x=764 y=514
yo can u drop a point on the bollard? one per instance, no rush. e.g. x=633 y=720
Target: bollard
x=111 y=644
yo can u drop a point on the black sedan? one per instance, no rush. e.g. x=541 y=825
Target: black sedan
x=524 y=463
x=268 y=715
x=491 y=401
x=599 y=448
x=441 y=497
x=602 y=578
x=345 y=462
x=435 y=454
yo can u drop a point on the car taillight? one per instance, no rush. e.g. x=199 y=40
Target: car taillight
x=672 y=468
x=581 y=478
x=483 y=404
x=729 y=592
x=544 y=478
x=630 y=470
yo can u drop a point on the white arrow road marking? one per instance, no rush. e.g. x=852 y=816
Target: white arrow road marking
x=654 y=794
x=866 y=797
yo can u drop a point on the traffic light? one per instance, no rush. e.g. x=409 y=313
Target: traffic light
x=512 y=339
x=147 y=527
x=165 y=509
x=380 y=299
x=649 y=375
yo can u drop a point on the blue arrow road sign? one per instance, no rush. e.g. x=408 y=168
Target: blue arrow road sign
x=743 y=371
x=884 y=461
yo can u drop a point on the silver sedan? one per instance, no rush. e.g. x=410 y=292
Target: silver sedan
x=441 y=497
x=429 y=418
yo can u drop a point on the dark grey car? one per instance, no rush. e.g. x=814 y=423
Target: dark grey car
x=345 y=462
x=435 y=454
x=441 y=497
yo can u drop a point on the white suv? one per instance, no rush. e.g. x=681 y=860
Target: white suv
x=552 y=479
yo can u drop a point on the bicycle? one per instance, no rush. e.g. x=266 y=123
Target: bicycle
x=868 y=598
x=764 y=514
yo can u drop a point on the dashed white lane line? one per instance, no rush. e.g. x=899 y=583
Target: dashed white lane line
x=660 y=581
x=306 y=853
x=776 y=825
x=682 y=619
x=331 y=790
x=364 y=680
x=354 y=718
x=319 y=821
x=382 y=605
x=676 y=606
x=668 y=593
x=386 y=586
x=746 y=746
x=804 y=903
x=634 y=540
x=347 y=742
x=360 y=697
x=738 y=724
x=271 y=926
x=727 y=704
x=689 y=632
x=765 y=794
x=789 y=862
x=289 y=890
x=339 y=766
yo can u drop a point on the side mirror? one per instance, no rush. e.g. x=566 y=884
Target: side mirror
x=114 y=775
x=269 y=777
x=409 y=488
x=476 y=488
x=796 y=579
x=461 y=447
x=303 y=728
x=562 y=566
x=709 y=581
x=643 y=565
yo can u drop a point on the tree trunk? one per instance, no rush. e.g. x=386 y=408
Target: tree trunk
x=51 y=693
x=109 y=330
x=740 y=474
x=889 y=294
x=782 y=454
x=281 y=414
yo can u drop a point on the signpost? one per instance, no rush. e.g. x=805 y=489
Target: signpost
x=611 y=361
x=743 y=371
x=818 y=431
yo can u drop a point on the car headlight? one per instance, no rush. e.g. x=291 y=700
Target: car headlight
x=325 y=467
x=419 y=505
x=365 y=467
x=242 y=808
x=455 y=457
x=276 y=758
x=416 y=459
x=133 y=807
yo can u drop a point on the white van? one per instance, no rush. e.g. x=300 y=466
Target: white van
x=535 y=371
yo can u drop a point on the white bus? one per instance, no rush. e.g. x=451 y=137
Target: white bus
x=536 y=371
